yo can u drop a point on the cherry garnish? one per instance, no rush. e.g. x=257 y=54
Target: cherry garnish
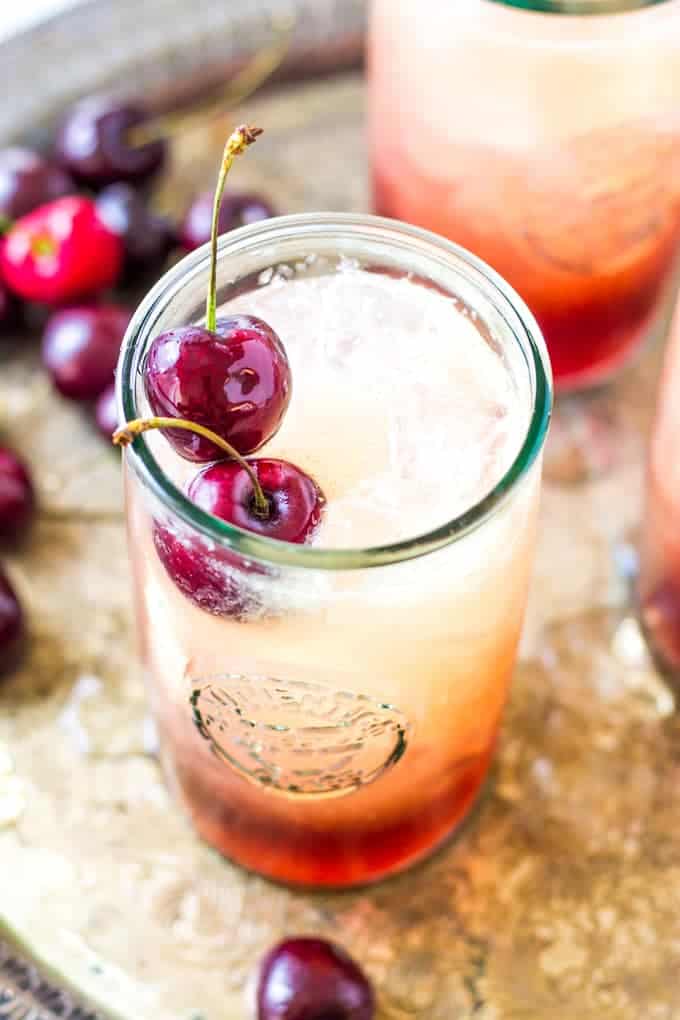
x=28 y=180
x=60 y=251
x=311 y=979
x=234 y=379
x=81 y=346
x=232 y=376
x=294 y=502
x=106 y=412
x=11 y=625
x=95 y=144
x=269 y=497
x=237 y=210
x=17 y=497
x=146 y=235
x=212 y=578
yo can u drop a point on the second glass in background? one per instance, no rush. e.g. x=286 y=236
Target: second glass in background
x=548 y=143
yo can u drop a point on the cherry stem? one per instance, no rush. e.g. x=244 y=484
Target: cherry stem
x=129 y=432
x=238 y=142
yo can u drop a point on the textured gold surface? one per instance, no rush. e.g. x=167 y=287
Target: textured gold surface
x=560 y=901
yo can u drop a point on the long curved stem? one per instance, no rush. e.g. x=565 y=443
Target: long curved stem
x=129 y=432
x=238 y=142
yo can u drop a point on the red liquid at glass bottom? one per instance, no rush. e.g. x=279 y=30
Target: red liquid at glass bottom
x=267 y=832
x=588 y=236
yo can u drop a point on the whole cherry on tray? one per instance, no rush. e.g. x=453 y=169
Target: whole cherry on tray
x=237 y=210
x=27 y=180
x=59 y=252
x=80 y=348
x=17 y=496
x=96 y=142
x=312 y=979
x=12 y=627
x=147 y=236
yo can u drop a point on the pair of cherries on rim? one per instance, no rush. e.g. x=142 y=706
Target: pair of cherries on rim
x=218 y=389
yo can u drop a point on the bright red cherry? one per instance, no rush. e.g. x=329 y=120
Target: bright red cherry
x=236 y=210
x=60 y=251
x=95 y=144
x=81 y=346
x=311 y=979
x=106 y=411
x=17 y=497
x=12 y=626
x=235 y=381
x=28 y=180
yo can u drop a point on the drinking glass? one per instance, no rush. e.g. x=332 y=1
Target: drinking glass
x=545 y=137
x=345 y=729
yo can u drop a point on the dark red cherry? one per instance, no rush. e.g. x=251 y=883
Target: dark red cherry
x=236 y=211
x=311 y=979
x=216 y=579
x=147 y=236
x=81 y=346
x=12 y=626
x=28 y=180
x=236 y=382
x=106 y=411
x=294 y=500
x=94 y=142
x=17 y=497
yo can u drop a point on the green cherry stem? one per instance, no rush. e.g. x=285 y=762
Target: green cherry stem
x=238 y=142
x=129 y=432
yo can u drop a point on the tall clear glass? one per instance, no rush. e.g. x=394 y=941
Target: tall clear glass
x=343 y=730
x=545 y=137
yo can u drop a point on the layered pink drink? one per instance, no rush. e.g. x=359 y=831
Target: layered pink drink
x=334 y=719
x=545 y=137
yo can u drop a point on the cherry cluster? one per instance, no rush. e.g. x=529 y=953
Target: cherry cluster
x=76 y=225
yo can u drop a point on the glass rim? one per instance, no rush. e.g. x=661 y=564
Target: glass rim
x=580 y=6
x=268 y=550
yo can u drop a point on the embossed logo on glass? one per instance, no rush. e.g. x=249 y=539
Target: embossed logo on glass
x=298 y=737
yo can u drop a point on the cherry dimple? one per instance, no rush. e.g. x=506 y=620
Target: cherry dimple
x=48 y=255
x=235 y=381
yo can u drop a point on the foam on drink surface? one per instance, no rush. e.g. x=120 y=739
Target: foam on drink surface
x=401 y=411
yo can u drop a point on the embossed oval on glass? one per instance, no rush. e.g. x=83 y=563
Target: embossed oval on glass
x=328 y=712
